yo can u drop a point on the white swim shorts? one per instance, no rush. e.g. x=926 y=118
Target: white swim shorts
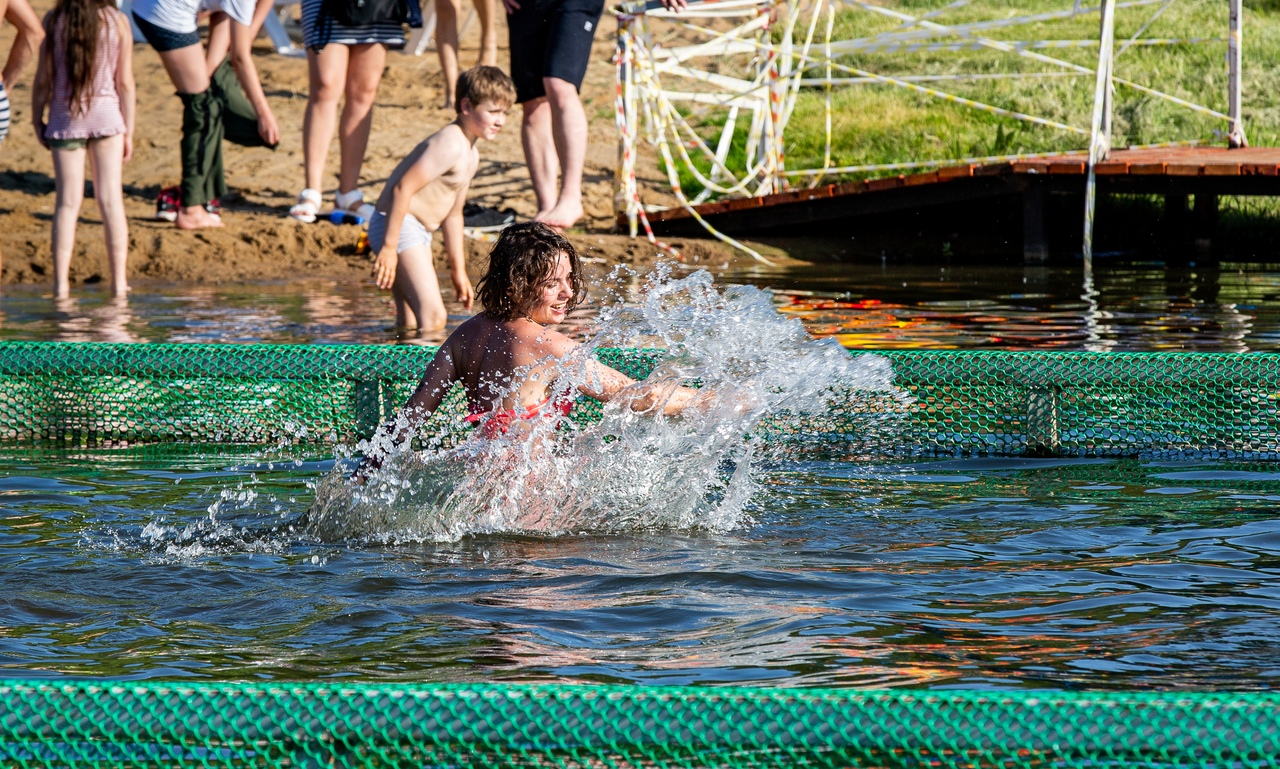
x=412 y=233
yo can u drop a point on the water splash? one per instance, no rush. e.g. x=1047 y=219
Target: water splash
x=630 y=471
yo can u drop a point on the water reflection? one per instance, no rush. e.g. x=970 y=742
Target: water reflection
x=1135 y=305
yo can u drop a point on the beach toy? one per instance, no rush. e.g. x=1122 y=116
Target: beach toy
x=345 y=217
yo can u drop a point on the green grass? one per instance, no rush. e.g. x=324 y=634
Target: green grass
x=879 y=123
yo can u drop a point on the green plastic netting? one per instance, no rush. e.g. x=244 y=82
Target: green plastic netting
x=961 y=403
x=69 y=396
x=391 y=725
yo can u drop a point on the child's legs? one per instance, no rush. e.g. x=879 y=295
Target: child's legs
x=107 y=156
x=68 y=173
x=417 y=292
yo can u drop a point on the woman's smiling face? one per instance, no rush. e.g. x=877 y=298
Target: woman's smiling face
x=554 y=294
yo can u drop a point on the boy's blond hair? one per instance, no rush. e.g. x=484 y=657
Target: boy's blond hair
x=482 y=82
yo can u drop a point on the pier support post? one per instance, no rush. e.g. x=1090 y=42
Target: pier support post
x=1100 y=135
x=1205 y=219
x=1235 y=43
x=1035 y=250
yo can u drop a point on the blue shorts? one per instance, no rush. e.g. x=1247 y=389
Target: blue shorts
x=163 y=39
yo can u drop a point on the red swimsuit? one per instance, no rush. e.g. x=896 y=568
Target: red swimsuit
x=499 y=421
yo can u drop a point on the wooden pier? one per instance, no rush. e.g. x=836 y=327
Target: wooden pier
x=1176 y=173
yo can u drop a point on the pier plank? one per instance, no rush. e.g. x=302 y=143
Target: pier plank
x=1162 y=170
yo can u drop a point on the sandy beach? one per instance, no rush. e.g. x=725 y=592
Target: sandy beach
x=260 y=242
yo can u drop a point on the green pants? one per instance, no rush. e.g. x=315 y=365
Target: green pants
x=220 y=111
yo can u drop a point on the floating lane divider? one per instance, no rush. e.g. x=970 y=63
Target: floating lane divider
x=950 y=403
x=154 y=723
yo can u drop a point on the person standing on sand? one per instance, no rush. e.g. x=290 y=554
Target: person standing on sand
x=344 y=60
x=85 y=80
x=447 y=12
x=426 y=192
x=550 y=49
x=30 y=35
x=209 y=103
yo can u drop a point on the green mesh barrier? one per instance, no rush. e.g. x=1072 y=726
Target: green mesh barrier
x=959 y=404
x=109 y=723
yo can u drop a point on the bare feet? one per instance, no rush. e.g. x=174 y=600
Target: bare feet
x=564 y=215
x=196 y=217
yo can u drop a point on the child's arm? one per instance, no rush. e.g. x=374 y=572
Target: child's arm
x=25 y=44
x=247 y=73
x=125 y=86
x=455 y=250
x=436 y=159
x=41 y=91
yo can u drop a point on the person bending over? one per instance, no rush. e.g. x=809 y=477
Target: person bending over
x=508 y=356
x=209 y=103
x=426 y=192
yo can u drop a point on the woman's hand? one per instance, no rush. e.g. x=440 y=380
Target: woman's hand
x=128 y=146
x=41 y=127
x=384 y=267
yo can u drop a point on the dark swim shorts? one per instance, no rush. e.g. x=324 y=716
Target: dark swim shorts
x=551 y=38
x=163 y=39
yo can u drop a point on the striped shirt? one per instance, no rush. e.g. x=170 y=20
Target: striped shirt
x=4 y=113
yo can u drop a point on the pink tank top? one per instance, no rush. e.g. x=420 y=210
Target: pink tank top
x=102 y=115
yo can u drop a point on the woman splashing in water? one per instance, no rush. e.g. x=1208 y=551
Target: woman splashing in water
x=509 y=359
x=520 y=377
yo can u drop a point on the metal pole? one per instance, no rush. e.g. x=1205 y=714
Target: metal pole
x=1235 y=42
x=1100 y=136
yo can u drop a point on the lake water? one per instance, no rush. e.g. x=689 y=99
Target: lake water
x=1138 y=305
x=988 y=573
x=191 y=562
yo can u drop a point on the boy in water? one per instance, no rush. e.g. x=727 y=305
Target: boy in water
x=426 y=192
x=508 y=357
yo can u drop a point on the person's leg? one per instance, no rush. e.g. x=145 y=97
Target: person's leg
x=364 y=73
x=540 y=151
x=488 y=33
x=327 y=72
x=447 y=46
x=219 y=42
x=417 y=291
x=202 y=172
x=68 y=174
x=569 y=128
x=107 y=156
x=187 y=69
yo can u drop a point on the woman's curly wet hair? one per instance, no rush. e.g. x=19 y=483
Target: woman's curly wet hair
x=525 y=256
